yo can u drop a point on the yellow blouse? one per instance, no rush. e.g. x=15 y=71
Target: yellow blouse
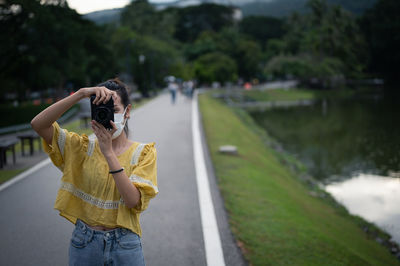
x=88 y=192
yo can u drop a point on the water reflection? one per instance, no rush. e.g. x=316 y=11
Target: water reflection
x=376 y=198
x=339 y=137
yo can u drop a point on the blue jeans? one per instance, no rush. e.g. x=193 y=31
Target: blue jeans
x=116 y=247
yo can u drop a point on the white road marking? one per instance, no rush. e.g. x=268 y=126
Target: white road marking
x=24 y=174
x=212 y=241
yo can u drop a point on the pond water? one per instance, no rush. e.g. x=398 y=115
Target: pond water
x=376 y=198
x=352 y=146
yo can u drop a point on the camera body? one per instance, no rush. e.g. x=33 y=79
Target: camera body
x=103 y=112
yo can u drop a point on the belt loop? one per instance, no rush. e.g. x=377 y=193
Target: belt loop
x=91 y=234
x=82 y=226
x=117 y=233
x=85 y=227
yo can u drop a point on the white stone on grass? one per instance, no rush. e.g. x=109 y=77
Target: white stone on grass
x=228 y=149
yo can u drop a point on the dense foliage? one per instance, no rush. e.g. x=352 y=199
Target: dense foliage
x=381 y=26
x=49 y=45
x=326 y=44
x=46 y=46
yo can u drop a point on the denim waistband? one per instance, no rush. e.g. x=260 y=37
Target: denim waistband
x=117 y=233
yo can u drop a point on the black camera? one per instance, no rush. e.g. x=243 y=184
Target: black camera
x=102 y=113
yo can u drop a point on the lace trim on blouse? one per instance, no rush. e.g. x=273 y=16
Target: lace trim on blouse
x=138 y=179
x=61 y=141
x=136 y=153
x=103 y=204
x=91 y=146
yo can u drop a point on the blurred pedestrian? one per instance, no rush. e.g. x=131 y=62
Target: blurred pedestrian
x=173 y=89
x=107 y=182
x=190 y=88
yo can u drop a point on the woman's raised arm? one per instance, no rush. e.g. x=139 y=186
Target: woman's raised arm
x=43 y=122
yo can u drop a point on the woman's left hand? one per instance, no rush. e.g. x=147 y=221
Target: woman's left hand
x=104 y=136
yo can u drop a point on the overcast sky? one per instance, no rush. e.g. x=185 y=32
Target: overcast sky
x=87 y=6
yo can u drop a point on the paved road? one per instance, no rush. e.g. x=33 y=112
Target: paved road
x=34 y=234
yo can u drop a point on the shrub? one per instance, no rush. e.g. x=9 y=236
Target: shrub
x=19 y=115
x=215 y=67
x=306 y=68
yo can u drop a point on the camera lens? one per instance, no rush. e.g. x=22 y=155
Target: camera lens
x=102 y=115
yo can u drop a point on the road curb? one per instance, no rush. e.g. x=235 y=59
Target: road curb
x=24 y=174
x=212 y=240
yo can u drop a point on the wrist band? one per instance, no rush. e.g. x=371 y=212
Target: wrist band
x=117 y=171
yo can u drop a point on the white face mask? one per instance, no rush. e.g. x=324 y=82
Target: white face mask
x=119 y=122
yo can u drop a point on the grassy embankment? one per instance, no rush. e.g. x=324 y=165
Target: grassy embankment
x=299 y=94
x=280 y=95
x=273 y=214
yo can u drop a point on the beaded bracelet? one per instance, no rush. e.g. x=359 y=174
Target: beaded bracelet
x=117 y=171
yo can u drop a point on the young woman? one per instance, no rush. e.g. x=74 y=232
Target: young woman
x=107 y=181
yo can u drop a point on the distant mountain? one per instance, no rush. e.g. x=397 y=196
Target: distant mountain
x=282 y=8
x=104 y=16
x=184 y=3
x=274 y=8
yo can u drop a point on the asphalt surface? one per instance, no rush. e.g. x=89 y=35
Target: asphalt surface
x=34 y=234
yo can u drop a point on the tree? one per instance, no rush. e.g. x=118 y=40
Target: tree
x=206 y=17
x=262 y=28
x=328 y=32
x=274 y=48
x=246 y=53
x=334 y=33
x=62 y=3
x=215 y=67
x=49 y=45
x=140 y=16
x=248 y=58
x=146 y=58
x=381 y=26
x=205 y=43
x=305 y=67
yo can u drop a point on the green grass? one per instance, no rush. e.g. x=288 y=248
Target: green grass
x=6 y=175
x=78 y=127
x=280 y=95
x=270 y=211
x=296 y=94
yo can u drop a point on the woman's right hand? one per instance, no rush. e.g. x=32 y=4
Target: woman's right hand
x=103 y=94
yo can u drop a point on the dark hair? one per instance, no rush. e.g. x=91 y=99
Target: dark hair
x=122 y=90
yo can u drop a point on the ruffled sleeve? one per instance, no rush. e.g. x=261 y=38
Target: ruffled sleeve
x=63 y=144
x=144 y=176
